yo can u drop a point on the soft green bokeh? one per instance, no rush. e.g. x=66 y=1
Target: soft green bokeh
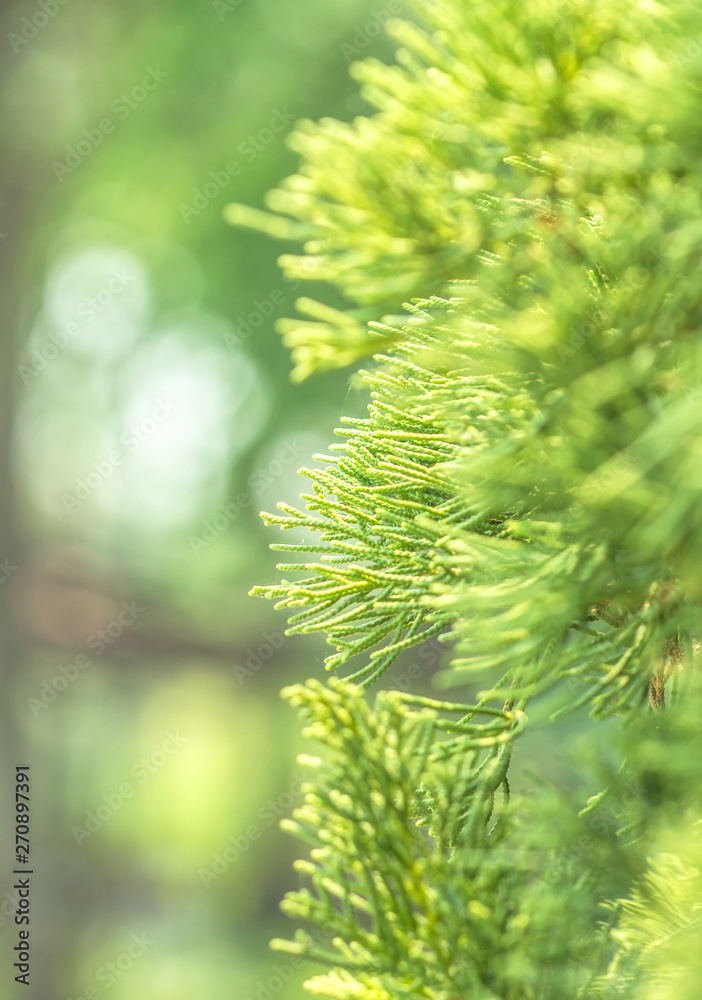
x=148 y=394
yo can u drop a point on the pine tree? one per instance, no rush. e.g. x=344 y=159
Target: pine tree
x=515 y=231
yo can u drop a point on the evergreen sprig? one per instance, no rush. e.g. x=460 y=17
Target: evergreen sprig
x=397 y=868
x=383 y=507
x=515 y=231
x=659 y=927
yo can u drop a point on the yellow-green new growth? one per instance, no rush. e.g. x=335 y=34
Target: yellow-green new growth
x=528 y=190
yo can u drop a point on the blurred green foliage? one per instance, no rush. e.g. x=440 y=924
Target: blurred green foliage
x=125 y=131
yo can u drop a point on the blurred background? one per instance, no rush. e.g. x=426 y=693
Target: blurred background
x=146 y=416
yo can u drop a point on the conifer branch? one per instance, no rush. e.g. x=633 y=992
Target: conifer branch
x=515 y=233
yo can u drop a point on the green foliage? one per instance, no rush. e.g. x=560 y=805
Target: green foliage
x=659 y=926
x=526 y=484
x=382 y=507
x=400 y=837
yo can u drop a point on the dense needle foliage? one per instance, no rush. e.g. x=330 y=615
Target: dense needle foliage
x=516 y=230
